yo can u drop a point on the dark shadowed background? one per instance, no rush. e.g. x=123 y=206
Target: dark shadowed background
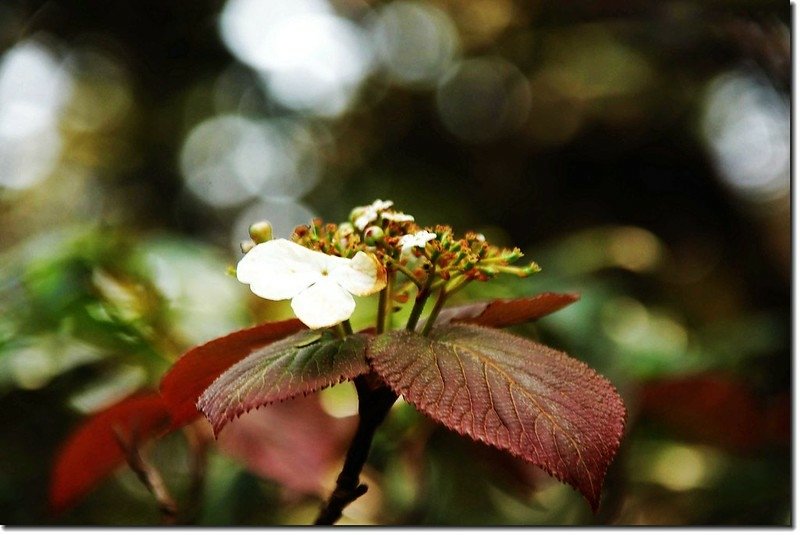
x=638 y=151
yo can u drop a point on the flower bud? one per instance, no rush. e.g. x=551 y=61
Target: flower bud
x=261 y=231
x=346 y=229
x=513 y=255
x=532 y=268
x=247 y=245
x=357 y=212
x=373 y=235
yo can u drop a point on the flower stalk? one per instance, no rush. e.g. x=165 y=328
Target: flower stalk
x=437 y=307
x=374 y=401
x=419 y=303
x=385 y=303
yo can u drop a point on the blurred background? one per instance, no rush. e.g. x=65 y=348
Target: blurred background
x=638 y=151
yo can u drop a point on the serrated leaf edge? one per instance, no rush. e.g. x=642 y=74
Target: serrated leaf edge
x=462 y=432
x=280 y=399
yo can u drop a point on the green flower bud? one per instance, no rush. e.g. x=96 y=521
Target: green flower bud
x=532 y=268
x=373 y=235
x=513 y=255
x=346 y=229
x=261 y=231
x=357 y=212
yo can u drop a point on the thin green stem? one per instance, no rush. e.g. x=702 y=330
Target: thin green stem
x=348 y=329
x=457 y=284
x=419 y=303
x=437 y=307
x=340 y=331
x=385 y=304
x=407 y=272
x=380 y=323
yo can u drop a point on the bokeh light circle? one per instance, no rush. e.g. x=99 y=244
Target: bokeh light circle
x=309 y=58
x=483 y=99
x=416 y=42
x=228 y=159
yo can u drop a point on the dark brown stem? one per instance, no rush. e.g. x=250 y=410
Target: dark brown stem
x=374 y=401
x=149 y=476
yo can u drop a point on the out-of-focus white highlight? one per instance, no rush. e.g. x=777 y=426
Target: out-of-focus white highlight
x=33 y=90
x=416 y=42
x=228 y=159
x=310 y=59
x=746 y=126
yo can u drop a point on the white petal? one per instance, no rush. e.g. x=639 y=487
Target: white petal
x=370 y=213
x=398 y=217
x=323 y=304
x=418 y=239
x=379 y=205
x=280 y=269
x=361 y=275
x=365 y=219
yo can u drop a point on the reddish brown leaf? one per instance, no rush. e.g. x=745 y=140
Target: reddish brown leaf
x=200 y=366
x=716 y=410
x=295 y=443
x=511 y=393
x=92 y=453
x=302 y=363
x=506 y=312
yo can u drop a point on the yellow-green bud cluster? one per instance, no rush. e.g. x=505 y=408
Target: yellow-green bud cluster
x=387 y=235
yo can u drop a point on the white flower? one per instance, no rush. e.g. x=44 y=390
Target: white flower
x=364 y=215
x=418 y=239
x=399 y=217
x=320 y=286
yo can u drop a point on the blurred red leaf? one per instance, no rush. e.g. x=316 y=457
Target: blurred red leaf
x=299 y=364
x=182 y=385
x=91 y=452
x=507 y=312
x=295 y=443
x=716 y=410
x=511 y=393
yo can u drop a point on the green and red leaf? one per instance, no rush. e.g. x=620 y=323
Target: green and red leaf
x=200 y=366
x=507 y=312
x=512 y=393
x=92 y=452
x=300 y=364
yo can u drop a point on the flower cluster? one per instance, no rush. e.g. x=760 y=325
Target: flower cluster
x=379 y=249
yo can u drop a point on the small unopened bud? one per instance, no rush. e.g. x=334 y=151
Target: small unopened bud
x=532 y=268
x=346 y=229
x=373 y=235
x=357 y=212
x=513 y=255
x=246 y=245
x=261 y=231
